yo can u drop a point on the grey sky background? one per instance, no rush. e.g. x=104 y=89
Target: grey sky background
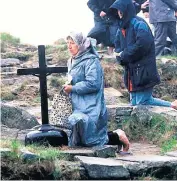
x=44 y=21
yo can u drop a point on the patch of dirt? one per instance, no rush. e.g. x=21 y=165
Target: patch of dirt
x=140 y=148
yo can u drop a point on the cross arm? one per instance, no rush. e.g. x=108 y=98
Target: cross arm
x=47 y=70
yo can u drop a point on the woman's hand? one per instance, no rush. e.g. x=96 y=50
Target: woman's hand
x=102 y=14
x=68 y=88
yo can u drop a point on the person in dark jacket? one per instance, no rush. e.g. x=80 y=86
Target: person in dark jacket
x=135 y=50
x=105 y=27
x=162 y=15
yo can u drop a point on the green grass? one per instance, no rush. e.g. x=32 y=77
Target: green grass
x=169 y=145
x=45 y=153
x=6 y=94
x=158 y=130
x=57 y=82
x=8 y=38
x=37 y=99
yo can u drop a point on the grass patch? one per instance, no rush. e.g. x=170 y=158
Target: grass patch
x=8 y=38
x=57 y=82
x=169 y=145
x=37 y=99
x=158 y=130
x=45 y=153
x=6 y=94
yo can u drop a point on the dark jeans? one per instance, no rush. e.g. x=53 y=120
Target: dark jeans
x=163 y=30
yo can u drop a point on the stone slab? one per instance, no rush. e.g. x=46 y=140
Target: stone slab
x=103 y=152
x=103 y=168
x=172 y=153
x=112 y=92
x=147 y=158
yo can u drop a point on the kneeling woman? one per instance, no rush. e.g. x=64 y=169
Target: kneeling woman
x=89 y=117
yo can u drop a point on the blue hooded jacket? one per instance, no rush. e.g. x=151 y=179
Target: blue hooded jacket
x=89 y=117
x=135 y=40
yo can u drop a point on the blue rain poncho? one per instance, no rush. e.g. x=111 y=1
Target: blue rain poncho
x=89 y=117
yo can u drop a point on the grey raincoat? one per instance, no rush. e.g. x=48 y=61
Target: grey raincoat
x=89 y=117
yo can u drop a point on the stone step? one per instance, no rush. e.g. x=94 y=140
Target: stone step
x=124 y=166
x=10 y=81
x=17 y=79
x=8 y=74
x=9 y=69
x=9 y=62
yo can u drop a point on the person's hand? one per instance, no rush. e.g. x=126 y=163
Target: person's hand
x=176 y=14
x=67 y=88
x=117 y=54
x=145 y=4
x=102 y=14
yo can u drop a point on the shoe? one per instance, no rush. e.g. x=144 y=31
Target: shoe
x=174 y=104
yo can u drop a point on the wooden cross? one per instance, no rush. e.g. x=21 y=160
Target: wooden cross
x=42 y=71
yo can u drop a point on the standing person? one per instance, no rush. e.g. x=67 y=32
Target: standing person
x=89 y=117
x=136 y=52
x=162 y=15
x=105 y=27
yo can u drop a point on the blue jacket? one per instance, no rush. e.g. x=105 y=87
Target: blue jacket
x=89 y=117
x=137 y=47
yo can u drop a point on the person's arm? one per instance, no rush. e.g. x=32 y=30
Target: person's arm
x=141 y=47
x=137 y=7
x=117 y=50
x=93 y=5
x=93 y=79
x=171 y=3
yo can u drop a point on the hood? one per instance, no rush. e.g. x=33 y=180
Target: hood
x=128 y=10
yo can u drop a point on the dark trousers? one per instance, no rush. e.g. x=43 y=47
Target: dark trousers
x=163 y=30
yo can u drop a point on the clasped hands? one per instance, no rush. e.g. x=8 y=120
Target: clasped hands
x=67 y=88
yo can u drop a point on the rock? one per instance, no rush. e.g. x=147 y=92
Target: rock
x=142 y=113
x=9 y=62
x=124 y=110
x=112 y=96
x=167 y=112
x=70 y=170
x=105 y=151
x=9 y=69
x=157 y=166
x=23 y=56
x=4 y=152
x=15 y=117
x=13 y=133
x=172 y=153
x=102 y=168
x=28 y=156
